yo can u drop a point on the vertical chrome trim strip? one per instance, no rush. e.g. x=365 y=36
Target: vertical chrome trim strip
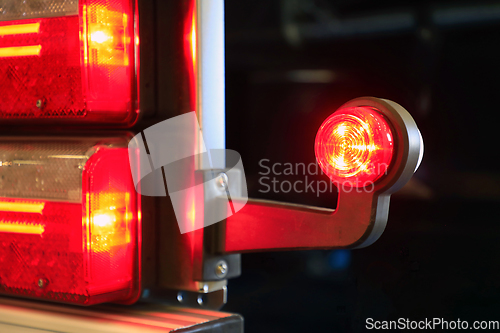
x=211 y=78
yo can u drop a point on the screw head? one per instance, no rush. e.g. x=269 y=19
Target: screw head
x=39 y=104
x=222 y=181
x=42 y=283
x=221 y=269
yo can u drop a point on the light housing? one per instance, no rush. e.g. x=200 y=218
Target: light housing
x=369 y=143
x=69 y=61
x=69 y=220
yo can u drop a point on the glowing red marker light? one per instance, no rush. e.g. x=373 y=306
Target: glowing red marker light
x=354 y=146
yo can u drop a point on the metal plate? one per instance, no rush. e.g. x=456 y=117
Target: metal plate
x=27 y=317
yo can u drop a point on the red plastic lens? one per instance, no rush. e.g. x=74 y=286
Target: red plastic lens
x=69 y=226
x=75 y=68
x=354 y=146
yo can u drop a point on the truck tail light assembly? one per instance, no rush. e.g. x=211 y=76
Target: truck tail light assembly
x=69 y=61
x=69 y=220
x=70 y=214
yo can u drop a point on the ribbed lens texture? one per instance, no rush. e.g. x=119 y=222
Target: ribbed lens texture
x=354 y=146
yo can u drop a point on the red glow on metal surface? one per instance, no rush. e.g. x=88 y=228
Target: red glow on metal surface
x=83 y=253
x=191 y=53
x=354 y=146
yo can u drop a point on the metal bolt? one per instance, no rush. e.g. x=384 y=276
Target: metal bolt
x=39 y=104
x=42 y=283
x=200 y=299
x=179 y=297
x=222 y=181
x=221 y=269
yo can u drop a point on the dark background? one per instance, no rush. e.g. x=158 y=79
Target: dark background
x=290 y=64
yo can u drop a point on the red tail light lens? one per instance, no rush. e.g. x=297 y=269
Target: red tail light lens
x=68 y=61
x=354 y=146
x=69 y=221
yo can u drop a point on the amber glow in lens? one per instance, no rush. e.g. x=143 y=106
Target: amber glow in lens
x=20 y=228
x=100 y=37
x=19 y=29
x=110 y=221
x=20 y=51
x=108 y=36
x=354 y=146
x=21 y=207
